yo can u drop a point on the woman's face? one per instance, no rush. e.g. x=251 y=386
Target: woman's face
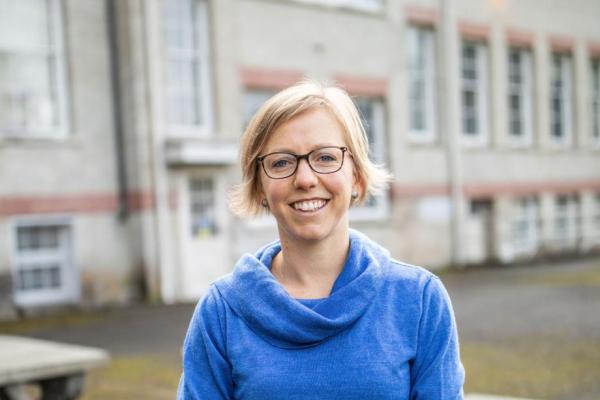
x=309 y=206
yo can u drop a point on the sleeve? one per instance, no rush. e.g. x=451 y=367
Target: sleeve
x=206 y=369
x=436 y=370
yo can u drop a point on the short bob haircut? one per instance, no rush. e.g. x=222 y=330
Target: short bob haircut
x=282 y=107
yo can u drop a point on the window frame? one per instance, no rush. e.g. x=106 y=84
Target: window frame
x=480 y=86
x=428 y=77
x=527 y=211
x=595 y=101
x=211 y=196
x=59 y=90
x=370 y=6
x=70 y=291
x=200 y=55
x=567 y=98
x=571 y=214
x=380 y=210
x=524 y=90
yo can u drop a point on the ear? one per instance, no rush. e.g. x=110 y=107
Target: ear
x=358 y=185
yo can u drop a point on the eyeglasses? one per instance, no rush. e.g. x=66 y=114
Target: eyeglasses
x=281 y=165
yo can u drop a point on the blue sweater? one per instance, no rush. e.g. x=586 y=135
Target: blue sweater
x=387 y=331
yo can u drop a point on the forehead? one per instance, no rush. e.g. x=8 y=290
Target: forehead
x=310 y=129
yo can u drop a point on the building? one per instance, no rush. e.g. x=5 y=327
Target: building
x=119 y=125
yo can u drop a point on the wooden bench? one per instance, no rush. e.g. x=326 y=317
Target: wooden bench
x=59 y=369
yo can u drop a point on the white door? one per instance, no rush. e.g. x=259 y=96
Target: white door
x=203 y=215
x=43 y=270
x=478 y=232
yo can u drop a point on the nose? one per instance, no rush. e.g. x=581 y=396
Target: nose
x=305 y=177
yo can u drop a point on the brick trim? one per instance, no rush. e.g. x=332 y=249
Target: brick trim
x=519 y=37
x=473 y=30
x=594 y=49
x=561 y=44
x=422 y=16
x=263 y=78
x=363 y=86
x=76 y=203
x=487 y=190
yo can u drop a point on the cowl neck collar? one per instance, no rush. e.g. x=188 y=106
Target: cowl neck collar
x=254 y=294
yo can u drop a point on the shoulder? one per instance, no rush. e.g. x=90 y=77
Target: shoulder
x=412 y=281
x=401 y=272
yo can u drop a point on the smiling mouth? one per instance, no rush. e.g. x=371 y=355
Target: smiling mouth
x=309 y=205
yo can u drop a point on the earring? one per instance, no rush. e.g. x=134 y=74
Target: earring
x=354 y=195
x=264 y=203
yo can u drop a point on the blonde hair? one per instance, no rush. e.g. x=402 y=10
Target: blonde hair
x=244 y=199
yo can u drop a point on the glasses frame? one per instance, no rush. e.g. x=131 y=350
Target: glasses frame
x=259 y=160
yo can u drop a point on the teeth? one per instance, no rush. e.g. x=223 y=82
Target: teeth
x=309 y=205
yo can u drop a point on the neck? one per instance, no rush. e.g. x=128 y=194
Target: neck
x=308 y=269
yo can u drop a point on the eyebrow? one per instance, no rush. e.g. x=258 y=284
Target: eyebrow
x=315 y=147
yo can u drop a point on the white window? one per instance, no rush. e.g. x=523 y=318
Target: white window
x=595 y=112
x=32 y=78
x=596 y=217
x=43 y=269
x=561 y=113
x=520 y=94
x=372 y=112
x=188 y=103
x=421 y=84
x=363 y=5
x=524 y=228
x=203 y=208
x=253 y=100
x=474 y=93
x=566 y=220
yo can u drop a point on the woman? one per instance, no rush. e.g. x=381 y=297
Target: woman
x=324 y=312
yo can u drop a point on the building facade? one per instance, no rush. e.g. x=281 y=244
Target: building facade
x=120 y=123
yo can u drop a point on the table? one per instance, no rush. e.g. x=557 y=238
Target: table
x=59 y=369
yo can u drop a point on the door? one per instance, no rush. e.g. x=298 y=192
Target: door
x=478 y=231
x=204 y=250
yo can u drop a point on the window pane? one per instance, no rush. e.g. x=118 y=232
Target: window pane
x=422 y=80
x=28 y=68
x=202 y=207
x=596 y=100
x=183 y=27
x=24 y=25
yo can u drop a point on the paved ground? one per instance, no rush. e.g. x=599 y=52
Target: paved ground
x=526 y=314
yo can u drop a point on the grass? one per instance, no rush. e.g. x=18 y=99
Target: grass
x=152 y=377
x=59 y=320
x=536 y=367
x=566 y=278
x=533 y=367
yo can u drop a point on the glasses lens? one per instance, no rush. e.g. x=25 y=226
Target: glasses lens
x=326 y=160
x=279 y=165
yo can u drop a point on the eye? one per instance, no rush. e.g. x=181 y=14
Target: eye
x=324 y=157
x=281 y=163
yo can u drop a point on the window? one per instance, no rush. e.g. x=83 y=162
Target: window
x=363 y=5
x=566 y=221
x=562 y=99
x=203 y=208
x=474 y=93
x=524 y=228
x=43 y=271
x=596 y=217
x=32 y=80
x=595 y=112
x=520 y=93
x=187 y=76
x=421 y=84
x=372 y=114
x=253 y=100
